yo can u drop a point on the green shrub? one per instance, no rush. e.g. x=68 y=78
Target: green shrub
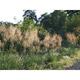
x=27 y=24
x=41 y=61
x=10 y=61
x=72 y=23
x=50 y=59
x=67 y=51
x=42 y=32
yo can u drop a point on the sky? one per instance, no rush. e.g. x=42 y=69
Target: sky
x=11 y=9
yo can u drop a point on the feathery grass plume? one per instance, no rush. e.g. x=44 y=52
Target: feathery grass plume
x=1 y=44
x=25 y=42
x=18 y=35
x=57 y=40
x=9 y=33
x=9 y=36
x=34 y=37
x=13 y=34
x=30 y=38
x=46 y=41
x=52 y=41
x=72 y=38
x=2 y=29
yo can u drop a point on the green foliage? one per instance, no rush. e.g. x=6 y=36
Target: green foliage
x=67 y=51
x=30 y=14
x=72 y=23
x=10 y=61
x=42 y=32
x=71 y=13
x=41 y=57
x=49 y=60
x=27 y=24
x=29 y=20
x=54 y=22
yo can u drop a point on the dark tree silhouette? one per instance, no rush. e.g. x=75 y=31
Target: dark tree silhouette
x=72 y=12
x=30 y=14
x=54 y=22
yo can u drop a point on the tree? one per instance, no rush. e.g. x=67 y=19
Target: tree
x=29 y=19
x=42 y=17
x=30 y=14
x=73 y=20
x=72 y=12
x=54 y=22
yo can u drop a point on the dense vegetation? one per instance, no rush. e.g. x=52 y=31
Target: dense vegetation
x=49 y=42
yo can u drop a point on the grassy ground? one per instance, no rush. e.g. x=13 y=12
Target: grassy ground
x=62 y=59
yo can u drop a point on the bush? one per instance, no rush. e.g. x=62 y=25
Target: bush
x=27 y=24
x=42 y=32
x=72 y=23
x=50 y=59
x=10 y=61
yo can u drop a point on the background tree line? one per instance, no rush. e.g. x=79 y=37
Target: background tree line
x=59 y=21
